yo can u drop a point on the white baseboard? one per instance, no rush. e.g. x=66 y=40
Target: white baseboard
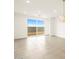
x=20 y=38
x=60 y=36
x=45 y=35
x=56 y=36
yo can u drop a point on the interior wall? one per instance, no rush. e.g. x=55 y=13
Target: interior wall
x=57 y=27
x=47 y=26
x=60 y=29
x=52 y=26
x=20 y=30
x=20 y=26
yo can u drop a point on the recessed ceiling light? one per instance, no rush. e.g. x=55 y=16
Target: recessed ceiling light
x=27 y=1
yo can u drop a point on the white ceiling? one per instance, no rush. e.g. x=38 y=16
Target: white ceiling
x=45 y=7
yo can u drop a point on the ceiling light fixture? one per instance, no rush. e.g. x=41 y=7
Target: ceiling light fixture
x=27 y=1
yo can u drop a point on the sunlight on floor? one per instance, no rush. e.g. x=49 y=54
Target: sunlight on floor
x=36 y=45
x=39 y=47
x=37 y=42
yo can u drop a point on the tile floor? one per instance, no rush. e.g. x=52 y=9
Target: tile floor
x=40 y=47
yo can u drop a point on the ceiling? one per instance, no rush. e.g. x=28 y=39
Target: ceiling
x=48 y=8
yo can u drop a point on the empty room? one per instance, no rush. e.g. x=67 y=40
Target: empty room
x=39 y=29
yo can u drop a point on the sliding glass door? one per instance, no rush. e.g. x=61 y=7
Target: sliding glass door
x=35 y=26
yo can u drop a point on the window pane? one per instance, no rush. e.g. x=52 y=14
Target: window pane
x=35 y=26
x=31 y=22
x=39 y=23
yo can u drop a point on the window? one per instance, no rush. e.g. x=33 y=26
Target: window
x=35 y=26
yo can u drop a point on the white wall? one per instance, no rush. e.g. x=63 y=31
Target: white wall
x=47 y=26
x=57 y=27
x=20 y=27
x=52 y=26
x=60 y=29
x=20 y=30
